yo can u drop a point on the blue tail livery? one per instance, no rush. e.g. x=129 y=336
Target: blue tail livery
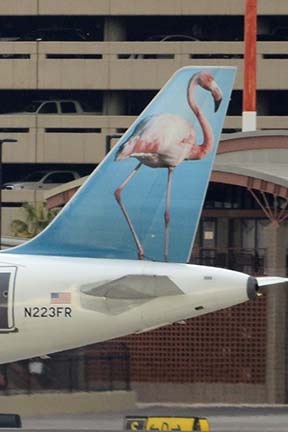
x=145 y=199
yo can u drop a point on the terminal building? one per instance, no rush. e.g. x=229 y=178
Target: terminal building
x=113 y=57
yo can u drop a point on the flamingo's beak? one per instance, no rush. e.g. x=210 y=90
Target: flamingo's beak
x=217 y=104
x=217 y=95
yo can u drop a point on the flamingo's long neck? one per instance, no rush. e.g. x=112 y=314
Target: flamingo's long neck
x=208 y=136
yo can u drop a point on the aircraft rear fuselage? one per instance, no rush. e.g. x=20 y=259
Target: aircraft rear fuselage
x=51 y=304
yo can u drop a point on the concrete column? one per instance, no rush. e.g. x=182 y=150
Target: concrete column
x=113 y=103
x=114 y=29
x=276 y=382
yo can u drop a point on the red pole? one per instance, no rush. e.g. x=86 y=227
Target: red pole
x=249 y=88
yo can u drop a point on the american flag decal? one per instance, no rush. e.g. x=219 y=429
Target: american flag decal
x=60 y=298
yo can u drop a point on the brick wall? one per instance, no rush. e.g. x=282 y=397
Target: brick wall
x=228 y=346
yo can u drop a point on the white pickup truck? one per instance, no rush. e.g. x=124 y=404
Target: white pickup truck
x=59 y=106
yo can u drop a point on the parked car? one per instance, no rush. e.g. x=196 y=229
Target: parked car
x=171 y=38
x=164 y=38
x=43 y=180
x=277 y=34
x=61 y=106
x=55 y=34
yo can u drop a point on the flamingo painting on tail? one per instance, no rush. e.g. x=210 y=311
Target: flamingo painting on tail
x=165 y=141
x=144 y=200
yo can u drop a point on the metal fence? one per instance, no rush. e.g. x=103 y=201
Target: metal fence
x=101 y=368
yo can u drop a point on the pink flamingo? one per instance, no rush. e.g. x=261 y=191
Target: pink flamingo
x=166 y=140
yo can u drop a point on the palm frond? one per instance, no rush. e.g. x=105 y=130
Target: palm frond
x=37 y=217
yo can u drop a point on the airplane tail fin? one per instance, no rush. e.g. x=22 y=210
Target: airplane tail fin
x=145 y=199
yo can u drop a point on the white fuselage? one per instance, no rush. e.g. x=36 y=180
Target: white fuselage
x=32 y=326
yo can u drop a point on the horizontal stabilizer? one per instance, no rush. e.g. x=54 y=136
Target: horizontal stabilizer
x=270 y=280
x=133 y=287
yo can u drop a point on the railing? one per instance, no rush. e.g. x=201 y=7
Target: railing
x=251 y=261
x=37 y=144
x=108 y=66
x=128 y=65
x=116 y=8
x=104 y=368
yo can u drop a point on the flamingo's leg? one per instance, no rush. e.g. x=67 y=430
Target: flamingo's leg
x=167 y=213
x=117 y=195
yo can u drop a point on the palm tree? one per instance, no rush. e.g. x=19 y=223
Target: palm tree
x=37 y=217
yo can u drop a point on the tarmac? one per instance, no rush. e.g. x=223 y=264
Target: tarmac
x=237 y=418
